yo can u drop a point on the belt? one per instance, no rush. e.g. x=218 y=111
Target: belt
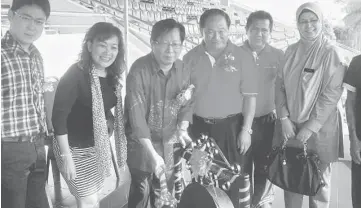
x=262 y=118
x=216 y=120
x=20 y=138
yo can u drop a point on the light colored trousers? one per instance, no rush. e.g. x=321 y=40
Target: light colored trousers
x=321 y=200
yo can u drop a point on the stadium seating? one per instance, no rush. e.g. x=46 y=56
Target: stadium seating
x=147 y=12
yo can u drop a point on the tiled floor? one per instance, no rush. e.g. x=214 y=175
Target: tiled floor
x=340 y=196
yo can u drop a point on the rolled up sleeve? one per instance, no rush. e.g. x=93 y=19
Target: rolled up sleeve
x=135 y=105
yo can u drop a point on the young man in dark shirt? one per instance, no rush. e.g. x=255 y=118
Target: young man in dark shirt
x=23 y=125
x=352 y=83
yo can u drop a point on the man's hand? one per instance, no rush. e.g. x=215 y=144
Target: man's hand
x=244 y=141
x=304 y=135
x=183 y=137
x=271 y=117
x=355 y=150
x=288 y=128
x=158 y=165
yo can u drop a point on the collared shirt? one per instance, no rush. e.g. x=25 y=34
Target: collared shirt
x=268 y=62
x=22 y=79
x=352 y=82
x=220 y=85
x=151 y=108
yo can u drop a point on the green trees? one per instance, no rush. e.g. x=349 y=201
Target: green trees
x=350 y=35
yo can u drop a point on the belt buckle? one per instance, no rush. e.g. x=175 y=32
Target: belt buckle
x=27 y=139
x=209 y=121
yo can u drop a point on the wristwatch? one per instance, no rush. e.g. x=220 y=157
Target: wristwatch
x=250 y=131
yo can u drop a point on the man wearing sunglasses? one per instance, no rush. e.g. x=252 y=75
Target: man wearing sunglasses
x=23 y=126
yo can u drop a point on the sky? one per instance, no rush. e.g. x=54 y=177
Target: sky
x=285 y=10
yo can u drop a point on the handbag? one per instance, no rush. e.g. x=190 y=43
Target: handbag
x=295 y=170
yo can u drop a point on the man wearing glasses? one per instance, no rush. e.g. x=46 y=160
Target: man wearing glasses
x=23 y=126
x=154 y=114
x=224 y=88
x=268 y=60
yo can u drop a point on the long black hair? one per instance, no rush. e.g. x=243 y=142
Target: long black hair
x=102 y=31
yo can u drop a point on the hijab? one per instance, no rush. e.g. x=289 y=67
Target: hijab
x=308 y=66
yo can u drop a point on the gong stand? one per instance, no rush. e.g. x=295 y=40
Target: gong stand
x=206 y=170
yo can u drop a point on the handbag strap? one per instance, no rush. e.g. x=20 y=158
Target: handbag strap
x=284 y=144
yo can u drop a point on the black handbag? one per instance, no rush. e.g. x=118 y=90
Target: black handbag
x=294 y=170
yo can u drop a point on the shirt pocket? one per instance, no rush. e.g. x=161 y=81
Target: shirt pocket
x=271 y=71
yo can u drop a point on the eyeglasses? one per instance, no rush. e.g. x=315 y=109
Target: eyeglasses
x=313 y=22
x=174 y=45
x=28 y=19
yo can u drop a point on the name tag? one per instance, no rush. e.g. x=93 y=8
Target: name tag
x=308 y=70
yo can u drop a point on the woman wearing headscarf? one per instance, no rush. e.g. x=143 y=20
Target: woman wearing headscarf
x=307 y=91
x=82 y=117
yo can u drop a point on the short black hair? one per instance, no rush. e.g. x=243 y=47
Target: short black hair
x=43 y=4
x=213 y=12
x=163 y=26
x=259 y=15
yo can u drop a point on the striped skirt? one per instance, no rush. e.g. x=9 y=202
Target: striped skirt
x=87 y=181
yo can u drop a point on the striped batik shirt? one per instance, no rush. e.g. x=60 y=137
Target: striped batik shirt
x=22 y=79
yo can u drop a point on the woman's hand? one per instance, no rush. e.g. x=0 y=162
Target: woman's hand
x=68 y=169
x=304 y=135
x=288 y=128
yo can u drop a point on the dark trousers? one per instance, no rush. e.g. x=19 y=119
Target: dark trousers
x=143 y=189
x=356 y=185
x=23 y=175
x=225 y=133
x=263 y=193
